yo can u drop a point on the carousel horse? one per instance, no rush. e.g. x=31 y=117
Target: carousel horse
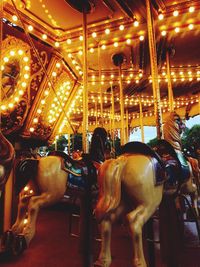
x=43 y=182
x=7 y=155
x=132 y=185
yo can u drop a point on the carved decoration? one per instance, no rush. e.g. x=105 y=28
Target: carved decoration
x=21 y=75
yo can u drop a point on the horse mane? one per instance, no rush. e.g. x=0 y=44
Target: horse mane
x=98 y=144
x=171 y=131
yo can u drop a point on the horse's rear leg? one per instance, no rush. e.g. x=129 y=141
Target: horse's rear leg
x=104 y=259
x=136 y=220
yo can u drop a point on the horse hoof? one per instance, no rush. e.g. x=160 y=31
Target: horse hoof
x=6 y=241
x=101 y=263
x=19 y=245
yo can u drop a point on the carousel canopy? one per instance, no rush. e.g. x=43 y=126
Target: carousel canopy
x=52 y=50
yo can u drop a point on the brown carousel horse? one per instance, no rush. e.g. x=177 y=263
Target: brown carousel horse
x=7 y=155
x=43 y=182
x=133 y=185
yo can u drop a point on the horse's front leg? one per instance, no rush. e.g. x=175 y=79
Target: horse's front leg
x=35 y=203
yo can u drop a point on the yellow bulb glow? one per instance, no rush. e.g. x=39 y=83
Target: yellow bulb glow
x=141 y=38
x=121 y=27
x=136 y=23
x=30 y=28
x=115 y=44
x=10 y=105
x=69 y=41
x=44 y=36
x=128 y=41
x=160 y=16
x=107 y=31
x=39 y=111
x=5 y=59
x=191 y=9
x=103 y=47
x=191 y=26
x=24 y=84
x=14 y=18
x=57 y=44
x=31 y=129
x=163 y=33
x=35 y=120
x=20 y=52
x=177 y=29
x=21 y=92
x=91 y=50
x=26 y=59
x=81 y=38
x=94 y=35
x=12 y=53
x=175 y=13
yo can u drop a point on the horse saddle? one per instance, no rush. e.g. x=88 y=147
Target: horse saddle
x=169 y=165
x=80 y=172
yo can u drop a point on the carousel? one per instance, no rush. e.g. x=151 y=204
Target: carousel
x=89 y=73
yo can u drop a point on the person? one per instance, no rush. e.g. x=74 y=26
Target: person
x=98 y=145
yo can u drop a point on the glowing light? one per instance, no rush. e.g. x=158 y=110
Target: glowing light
x=35 y=120
x=115 y=44
x=26 y=59
x=5 y=59
x=136 y=23
x=103 y=47
x=107 y=31
x=160 y=16
x=91 y=50
x=69 y=41
x=191 y=26
x=20 y=52
x=21 y=92
x=141 y=38
x=58 y=65
x=30 y=28
x=44 y=36
x=163 y=33
x=10 y=105
x=57 y=44
x=175 y=13
x=94 y=35
x=191 y=9
x=177 y=29
x=39 y=111
x=81 y=38
x=26 y=188
x=12 y=53
x=121 y=27
x=14 y=18
x=128 y=41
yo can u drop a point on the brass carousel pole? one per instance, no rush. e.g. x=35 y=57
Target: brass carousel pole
x=121 y=106
x=154 y=69
x=113 y=113
x=169 y=82
x=141 y=120
x=101 y=95
x=85 y=88
x=96 y=112
x=127 y=133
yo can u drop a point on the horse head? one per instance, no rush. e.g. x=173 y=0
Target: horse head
x=172 y=130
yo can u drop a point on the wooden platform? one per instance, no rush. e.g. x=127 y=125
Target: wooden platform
x=54 y=247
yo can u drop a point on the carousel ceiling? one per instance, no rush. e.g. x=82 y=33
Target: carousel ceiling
x=43 y=64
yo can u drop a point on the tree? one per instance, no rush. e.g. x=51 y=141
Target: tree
x=191 y=140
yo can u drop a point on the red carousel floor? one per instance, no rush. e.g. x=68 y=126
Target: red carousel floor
x=54 y=247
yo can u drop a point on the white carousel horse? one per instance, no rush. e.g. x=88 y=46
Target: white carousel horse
x=127 y=186
x=43 y=182
x=7 y=155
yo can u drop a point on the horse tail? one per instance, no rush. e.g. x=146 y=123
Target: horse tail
x=109 y=180
x=25 y=170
